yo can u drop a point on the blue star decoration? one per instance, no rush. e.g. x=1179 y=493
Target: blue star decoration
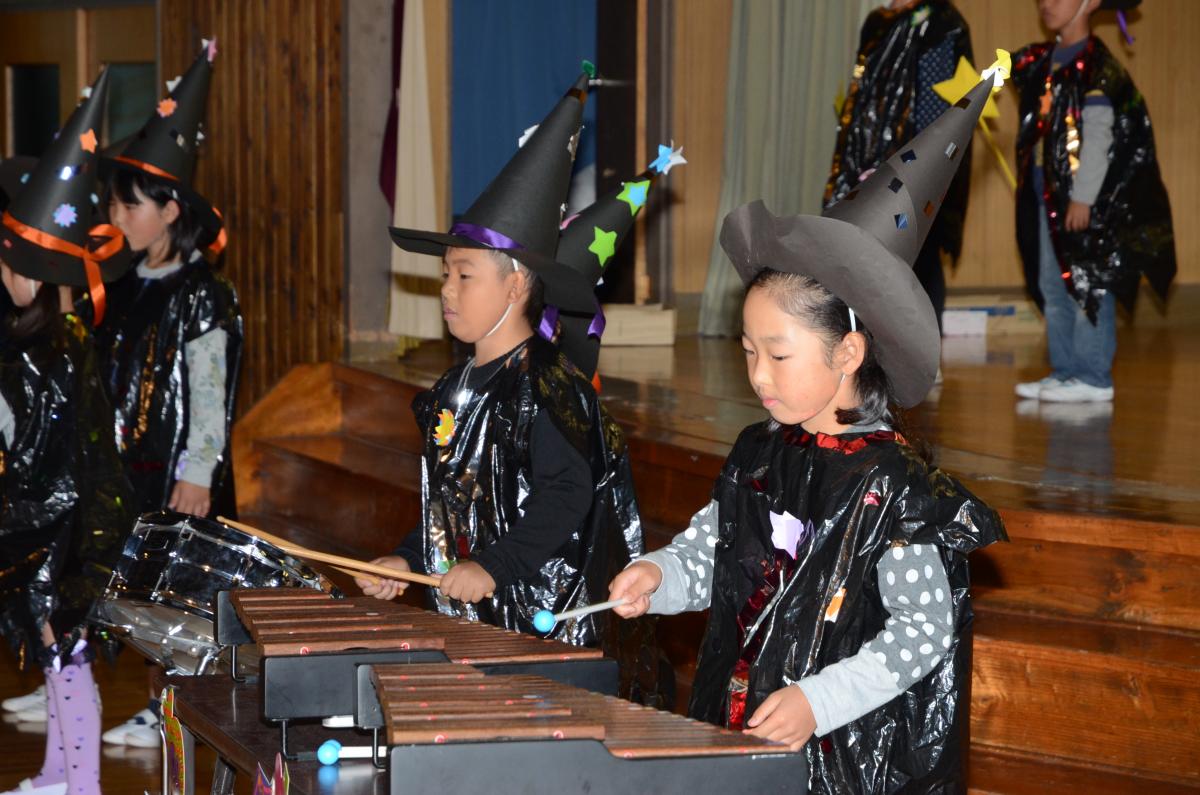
x=603 y=244
x=634 y=194
x=668 y=158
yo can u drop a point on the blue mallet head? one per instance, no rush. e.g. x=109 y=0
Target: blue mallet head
x=327 y=754
x=543 y=621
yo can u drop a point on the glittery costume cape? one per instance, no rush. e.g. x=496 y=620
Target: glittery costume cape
x=66 y=504
x=472 y=487
x=146 y=373
x=1130 y=231
x=861 y=493
x=878 y=114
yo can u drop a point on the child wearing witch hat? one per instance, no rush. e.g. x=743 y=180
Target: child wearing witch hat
x=1092 y=211
x=832 y=558
x=65 y=504
x=173 y=343
x=527 y=497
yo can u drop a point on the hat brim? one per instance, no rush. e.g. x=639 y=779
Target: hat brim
x=55 y=267
x=206 y=214
x=565 y=287
x=852 y=264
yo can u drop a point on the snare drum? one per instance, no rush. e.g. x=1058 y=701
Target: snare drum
x=163 y=591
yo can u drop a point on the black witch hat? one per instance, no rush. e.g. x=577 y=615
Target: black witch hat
x=519 y=212
x=862 y=249
x=48 y=231
x=587 y=242
x=167 y=145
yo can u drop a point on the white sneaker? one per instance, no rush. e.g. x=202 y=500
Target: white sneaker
x=1033 y=389
x=144 y=737
x=26 y=788
x=1077 y=392
x=36 y=713
x=118 y=735
x=22 y=703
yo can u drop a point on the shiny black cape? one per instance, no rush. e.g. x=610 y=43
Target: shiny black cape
x=471 y=490
x=1130 y=232
x=876 y=116
x=66 y=505
x=862 y=493
x=143 y=342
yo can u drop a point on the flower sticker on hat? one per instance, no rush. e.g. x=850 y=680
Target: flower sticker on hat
x=166 y=107
x=65 y=215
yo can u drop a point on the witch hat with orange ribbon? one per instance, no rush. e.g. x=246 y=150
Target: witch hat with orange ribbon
x=167 y=145
x=48 y=231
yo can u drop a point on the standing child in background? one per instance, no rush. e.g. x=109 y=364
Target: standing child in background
x=527 y=495
x=906 y=48
x=65 y=504
x=1092 y=211
x=173 y=343
x=832 y=558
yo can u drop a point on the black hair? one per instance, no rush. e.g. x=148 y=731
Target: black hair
x=186 y=233
x=535 y=302
x=829 y=317
x=26 y=322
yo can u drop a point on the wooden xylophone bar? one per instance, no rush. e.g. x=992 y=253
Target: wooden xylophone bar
x=539 y=730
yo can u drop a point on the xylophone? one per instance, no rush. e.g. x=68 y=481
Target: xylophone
x=311 y=646
x=453 y=728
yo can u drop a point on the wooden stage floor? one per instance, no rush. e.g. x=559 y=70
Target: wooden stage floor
x=1135 y=458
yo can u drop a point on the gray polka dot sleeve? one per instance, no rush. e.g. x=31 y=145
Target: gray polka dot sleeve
x=687 y=566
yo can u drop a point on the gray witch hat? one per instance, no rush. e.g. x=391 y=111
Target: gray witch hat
x=862 y=249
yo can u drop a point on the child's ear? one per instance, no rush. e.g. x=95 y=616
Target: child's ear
x=170 y=211
x=851 y=352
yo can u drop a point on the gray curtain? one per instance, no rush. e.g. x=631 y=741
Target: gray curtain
x=787 y=60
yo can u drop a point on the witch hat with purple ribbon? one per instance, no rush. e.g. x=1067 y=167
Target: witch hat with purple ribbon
x=862 y=249
x=167 y=145
x=520 y=211
x=588 y=240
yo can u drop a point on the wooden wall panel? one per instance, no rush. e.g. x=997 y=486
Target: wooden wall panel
x=273 y=165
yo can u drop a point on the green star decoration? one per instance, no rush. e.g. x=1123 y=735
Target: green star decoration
x=634 y=194
x=603 y=245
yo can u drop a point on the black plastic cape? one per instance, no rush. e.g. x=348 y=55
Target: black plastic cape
x=862 y=494
x=1130 y=232
x=877 y=116
x=150 y=322
x=472 y=487
x=66 y=505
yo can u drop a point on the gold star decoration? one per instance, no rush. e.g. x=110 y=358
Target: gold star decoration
x=965 y=78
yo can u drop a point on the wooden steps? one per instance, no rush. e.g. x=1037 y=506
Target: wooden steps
x=1087 y=639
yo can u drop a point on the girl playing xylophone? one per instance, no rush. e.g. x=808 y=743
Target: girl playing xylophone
x=65 y=505
x=832 y=557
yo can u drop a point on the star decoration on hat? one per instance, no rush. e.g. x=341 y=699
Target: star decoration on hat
x=65 y=215
x=87 y=141
x=529 y=131
x=166 y=107
x=172 y=83
x=210 y=45
x=634 y=194
x=603 y=244
x=965 y=78
x=668 y=158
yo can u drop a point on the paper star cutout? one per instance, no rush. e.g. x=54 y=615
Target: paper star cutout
x=787 y=532
x=603 y=244
x=172 y=83
x=166 y=107
x=668 y=158
x=65 y=215
x=525 y=135
x=210 y=45
x=88 y=141
x=965 y=78
x=1000 y=69
x=634 y=194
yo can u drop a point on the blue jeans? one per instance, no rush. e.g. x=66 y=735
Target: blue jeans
x=1078 y=348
